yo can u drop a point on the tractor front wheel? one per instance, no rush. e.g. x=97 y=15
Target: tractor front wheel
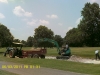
x=12 y=54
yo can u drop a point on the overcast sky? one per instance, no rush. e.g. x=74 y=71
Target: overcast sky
x=23 y=16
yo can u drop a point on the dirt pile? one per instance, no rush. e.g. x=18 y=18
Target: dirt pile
x=83 y=60
x=74 y=58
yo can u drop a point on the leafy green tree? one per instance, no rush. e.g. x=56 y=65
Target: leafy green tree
x=59 y=40
x=24 y=43
x=88 y=30
x=43 y=32
x=90 y=24
x=74 y=37
x=6 y=37
x=29 y=42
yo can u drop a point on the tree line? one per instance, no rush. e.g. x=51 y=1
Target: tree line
x=86 y=34
x=6 y=38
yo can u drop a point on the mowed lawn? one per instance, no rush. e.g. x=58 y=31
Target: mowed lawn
x=86 y=52
x=2 y=72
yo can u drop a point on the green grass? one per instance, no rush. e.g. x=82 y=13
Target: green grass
x=86 y=52
x=58 y=64
x=2 y=72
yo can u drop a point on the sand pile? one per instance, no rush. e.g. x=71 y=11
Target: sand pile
x=77 y=59
x=83 y=60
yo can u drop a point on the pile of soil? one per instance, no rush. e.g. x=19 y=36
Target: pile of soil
x=74 y=58
x=83 y=60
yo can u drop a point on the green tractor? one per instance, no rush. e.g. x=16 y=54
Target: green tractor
x=14 y=51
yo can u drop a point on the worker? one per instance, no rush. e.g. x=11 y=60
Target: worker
x=64 y=50
x=97 y=54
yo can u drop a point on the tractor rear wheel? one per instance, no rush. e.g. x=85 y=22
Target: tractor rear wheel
x=12 y=53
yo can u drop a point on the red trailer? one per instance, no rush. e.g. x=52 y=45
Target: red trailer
x=34 y=53
x=40 y=53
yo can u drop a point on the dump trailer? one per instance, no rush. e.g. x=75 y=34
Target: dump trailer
x=34 y=53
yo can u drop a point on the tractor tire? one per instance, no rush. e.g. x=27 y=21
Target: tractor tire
x=35 y=56
x=12 y=53
x=4 y=54
x=42 y=56
x=20 y=54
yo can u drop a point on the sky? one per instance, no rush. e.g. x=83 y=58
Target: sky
x=22 y=17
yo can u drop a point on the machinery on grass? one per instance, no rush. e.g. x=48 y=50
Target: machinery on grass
x=50 y=40
x=65 y=53
x=14 y=49
x=12 y=52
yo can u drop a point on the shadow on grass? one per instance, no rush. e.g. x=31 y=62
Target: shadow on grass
x=1 y=52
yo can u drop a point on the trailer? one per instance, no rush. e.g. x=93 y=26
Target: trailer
x=34 y=53
x=28 y=53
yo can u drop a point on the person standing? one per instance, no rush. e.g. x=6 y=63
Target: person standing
x=97 y=54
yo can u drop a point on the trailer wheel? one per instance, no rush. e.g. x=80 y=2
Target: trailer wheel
x=42 y=56
x=30 y=56
x=35 y=56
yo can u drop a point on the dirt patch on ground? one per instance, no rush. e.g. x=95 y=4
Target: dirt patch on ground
x=77 y=59
x=83 y=60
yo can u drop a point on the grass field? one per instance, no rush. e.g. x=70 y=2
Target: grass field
x=86 y=52
x=2 y=72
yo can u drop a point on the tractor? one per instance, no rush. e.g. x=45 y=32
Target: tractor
x=13 y=51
